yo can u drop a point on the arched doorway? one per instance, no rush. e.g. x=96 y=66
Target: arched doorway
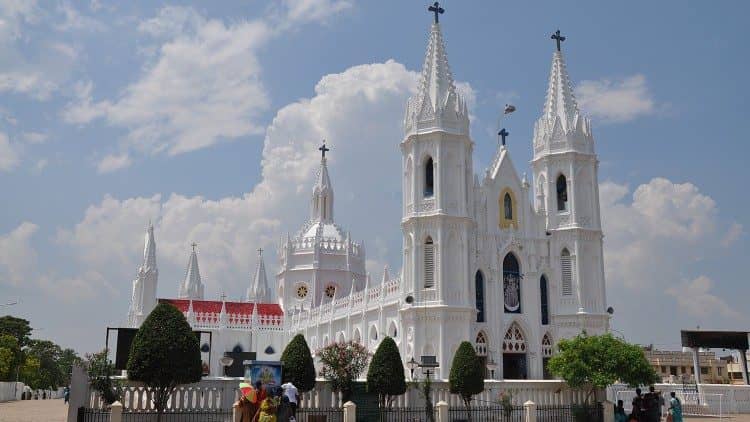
x=546 y=355
x=514 y=354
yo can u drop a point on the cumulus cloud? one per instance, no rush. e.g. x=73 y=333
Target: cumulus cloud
x=359 y=109
x=73 y=20
x=9 y=154
x=300 y=11
x=695 y=298
x=113 y=162
x=655 y=241
x=616 y=100
x=17 y=255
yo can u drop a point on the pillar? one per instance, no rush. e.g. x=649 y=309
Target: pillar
x=529 y=410
x=696 y=366
x=608 y=409
x=236 y=412
x=442 y=412
x=350 y=412
x=743 y=365
x=115 y=412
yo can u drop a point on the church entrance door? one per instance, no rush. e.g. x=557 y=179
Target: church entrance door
x=514 y=366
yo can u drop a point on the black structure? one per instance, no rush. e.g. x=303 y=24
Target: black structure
x=697 y=339
x=503 y=134
x=435 y=8
x=559 y=38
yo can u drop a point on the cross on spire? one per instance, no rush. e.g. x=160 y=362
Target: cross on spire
x=260 y=251
x=559 y=38
x=503 y=134
x=437 y=10
x=323 y=149
x=194 y=245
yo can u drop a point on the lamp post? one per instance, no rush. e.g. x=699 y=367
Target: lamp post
x=226 y=362
x=412 y=365
x=427 y=363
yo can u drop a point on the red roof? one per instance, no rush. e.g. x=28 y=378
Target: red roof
x=233 y=308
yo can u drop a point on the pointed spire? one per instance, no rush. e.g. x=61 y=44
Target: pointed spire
x=386 y=274
x=259 y=291
x=192 y=286
x=560 y=102
x=149 y=250
x=437 y=105
x=321 y=206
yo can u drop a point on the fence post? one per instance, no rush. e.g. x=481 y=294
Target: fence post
x=350 y=412
x=609 y=414
x=530 y=411
x=115 y=414
x=442 y=411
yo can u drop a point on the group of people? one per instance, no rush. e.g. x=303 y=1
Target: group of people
x=648 y=408
x=272 y=404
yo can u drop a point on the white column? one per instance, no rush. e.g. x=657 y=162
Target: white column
x=743 y=365
x=116 y=412
x=442 y=412
x=350 y=412
x=529 y=411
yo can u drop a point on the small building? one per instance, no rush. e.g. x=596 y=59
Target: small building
x=674 y=366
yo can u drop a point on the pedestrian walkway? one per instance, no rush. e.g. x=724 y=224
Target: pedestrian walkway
x=34 y=411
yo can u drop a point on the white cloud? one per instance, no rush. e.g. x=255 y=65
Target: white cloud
x=41 y=164
x=89 y=285
x=17 y=255
x=616 y=100
x=83 y=109
x=75 y=21
x=300 y=11
x=732 y=235
x=35 y=84
x=357 y=110
x=34 y=137
x=695 y=298
x=113 y=162
x=9 y=154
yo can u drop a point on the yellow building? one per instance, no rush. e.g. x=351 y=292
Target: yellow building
x=677 y=367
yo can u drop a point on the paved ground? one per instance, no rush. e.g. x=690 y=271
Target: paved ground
x=34 y=411
x=57 y=410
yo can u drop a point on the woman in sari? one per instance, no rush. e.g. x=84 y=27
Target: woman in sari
x=675 y=408
x=267 y=411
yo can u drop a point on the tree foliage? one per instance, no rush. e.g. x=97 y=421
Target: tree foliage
x=342 y=364
x=298 y=366
x=10 y=357
x=165 y=353
x=467 y=373
x=19 y=328
x=29 y=373
x=100 y=370
x=590 y=363
x=49 y=355
x=386 y=373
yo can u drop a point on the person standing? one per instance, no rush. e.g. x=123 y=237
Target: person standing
x=620 y=415
x=291 y=392
x=675 y=408
x=638 y=406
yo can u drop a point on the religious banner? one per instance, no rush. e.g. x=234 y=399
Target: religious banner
x=512 y=292
x=267 y=372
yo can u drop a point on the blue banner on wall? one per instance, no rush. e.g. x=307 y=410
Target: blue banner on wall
x=267 y=372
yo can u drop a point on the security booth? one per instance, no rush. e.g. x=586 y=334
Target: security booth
x=734 y=340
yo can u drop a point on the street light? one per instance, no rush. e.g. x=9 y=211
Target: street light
x=226 y=362
x=412 y=365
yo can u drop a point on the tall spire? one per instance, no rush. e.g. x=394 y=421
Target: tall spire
x=321 y=206
x=560 y=102
x=192 y=286
x=259 y=291
x=437 y=105
x=149 y=250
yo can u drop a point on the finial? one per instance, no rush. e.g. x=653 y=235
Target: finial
x=559 y=38
x=437 y=10
x=323 y=149
x=260 y=251
x=194 y=245
x=503 y=134
x=223 y=296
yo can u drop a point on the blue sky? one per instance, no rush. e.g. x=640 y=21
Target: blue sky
x=205 y=118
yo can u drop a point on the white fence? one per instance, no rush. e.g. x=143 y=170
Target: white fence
x=710 y=399
x=10 y=391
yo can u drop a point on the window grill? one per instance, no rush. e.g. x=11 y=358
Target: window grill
x=429 y=264
x=566 y=264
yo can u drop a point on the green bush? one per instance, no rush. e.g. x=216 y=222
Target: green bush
x=467 y=373
x=165 y=353
x=298 y=366
x=386 y=373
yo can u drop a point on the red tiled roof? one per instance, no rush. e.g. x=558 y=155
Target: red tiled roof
x=233 y=308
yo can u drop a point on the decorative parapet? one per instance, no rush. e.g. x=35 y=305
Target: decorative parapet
x=212 y=320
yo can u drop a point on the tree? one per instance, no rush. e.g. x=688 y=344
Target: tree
x=165 y=353
x=342 y=364
x=591 y=363
x=67 y=359
x=298 y=366
x=48 y=354
x=29 y=373
x=16 y=327
x=467 y=373
x=10 y=357
x=100 y=370
x=386 y=373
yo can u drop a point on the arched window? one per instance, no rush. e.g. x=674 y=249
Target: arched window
x=562 y=193
x=511 y=284
x=429 y=263
x=566 y=268
x=544 y=299
x=392 y=330
x=479 y=281
x=508 y=206
x=356 y=337
x=429 y=179
x=480 y=345
x=373 y=333
x=546 y=355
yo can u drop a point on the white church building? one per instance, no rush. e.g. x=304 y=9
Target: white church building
x=508 y=264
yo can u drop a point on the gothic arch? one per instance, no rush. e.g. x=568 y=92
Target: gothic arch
x=507 y=206
x=393 y=330
x=356 y=336
x=544 y=299
x=481 y=344
x=561 y=188
x=373 y=336
x=325 y=341
x=428 y=183
x=514 y=340
x=479 y=287
x=341 y=338
x=512 y=284
x=547 y=345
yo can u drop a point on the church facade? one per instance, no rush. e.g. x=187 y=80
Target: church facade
x=510 y=264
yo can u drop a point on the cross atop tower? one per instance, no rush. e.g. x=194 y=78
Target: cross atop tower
x=260 y=251
x=559 y=38
x=194 y=245
x=437 y=10
x=503 y=134
x=323 y=149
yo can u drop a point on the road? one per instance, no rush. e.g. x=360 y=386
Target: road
x=34 y=411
